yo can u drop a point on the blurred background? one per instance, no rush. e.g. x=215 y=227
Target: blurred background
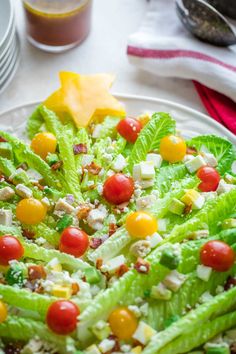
x=104 y=50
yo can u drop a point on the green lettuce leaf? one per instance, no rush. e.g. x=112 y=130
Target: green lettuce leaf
x=34 y=123
x=222 y=149
x=160 y=125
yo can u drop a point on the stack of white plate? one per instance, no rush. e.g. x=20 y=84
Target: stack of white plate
x=9 y=44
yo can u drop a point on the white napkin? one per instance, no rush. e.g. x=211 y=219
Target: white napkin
x=164 y=47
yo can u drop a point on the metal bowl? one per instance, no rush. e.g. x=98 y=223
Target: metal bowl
x=227 y=7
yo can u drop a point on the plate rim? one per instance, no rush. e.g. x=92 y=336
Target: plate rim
x=10 y=23
x=172 y=104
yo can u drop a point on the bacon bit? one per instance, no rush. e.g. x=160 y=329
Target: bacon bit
x=24 y=166
x=80 y=149
x=2 y=140
x=39 y=289
x=75 y=288
x=191 y=150
x=95 y=243
x=233 y=348
x=112 y=229
x=36 y=272
x=116 y=347
x=188 y=209
x=122 y=270
x=230 y=283
x=83 y=212
x=142 y=266
x=28 y=234
x=93 y=168
x=99 y=262
x=56 y=165
x=39 y=186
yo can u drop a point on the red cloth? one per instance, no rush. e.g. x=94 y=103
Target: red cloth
x=219 y=107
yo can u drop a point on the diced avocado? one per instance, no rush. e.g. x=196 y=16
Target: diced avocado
x=92 y=275
x=228 y=224
x=52 y=193
x=169 y=259
x=19 y=176
x=101 y=330
x=218 y=350
x=64 y=222
x=15 y=276
x=171 y=320
x=160 y=292
x=52 y=159
x=177 y=207
x=6 y=150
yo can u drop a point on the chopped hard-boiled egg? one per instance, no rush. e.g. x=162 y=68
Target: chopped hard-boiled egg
x=64 y=292
x=204 y=272
x=113 y=264
x=147 y=170
x=193 y=198
x=144 y=333
x=194 y=164
x=155 y=158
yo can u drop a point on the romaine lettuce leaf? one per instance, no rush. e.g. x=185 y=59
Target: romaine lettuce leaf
x=149 y=138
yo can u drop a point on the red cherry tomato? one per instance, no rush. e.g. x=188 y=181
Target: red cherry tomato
x=210 y=179
x=118 y=189
x=217 y=255
x=129 y=128
x=74 y=241
x=10 y=248
x=62 y=316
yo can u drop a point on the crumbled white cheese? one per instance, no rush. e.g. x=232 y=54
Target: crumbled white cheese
x=6 y=193
x=154 y=239
x=135 y=309
x=162 y=225
x=194 y=164
x=46 y=202
x=174 y=280
x=155 y=158
x=147 y=184
x=210 y=159
x=96 y=217
x=97 y=131
x=137 y=172
x=113 y=264
x=5 y=217
x=62 y=205
x=144 y=333
x=199 y=202
x=146 y=203
x=106 y=345
x=205 y=297
x=87 y=159
x=224 y=187
x=209 y=195
x=119 y=164
x=34 y=175
x=188 y=157
x=23 y=191
x=125 y=348
x=204 y=272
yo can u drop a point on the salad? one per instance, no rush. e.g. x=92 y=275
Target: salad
x=117 y=234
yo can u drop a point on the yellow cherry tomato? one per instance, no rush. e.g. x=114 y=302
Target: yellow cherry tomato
x=123 y=323
x=3 y=312
x=141 y=224
x=172 y=148
x=43 y=143
x=30 y=211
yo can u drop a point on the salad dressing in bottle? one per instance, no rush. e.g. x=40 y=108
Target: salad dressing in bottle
x=57 y=25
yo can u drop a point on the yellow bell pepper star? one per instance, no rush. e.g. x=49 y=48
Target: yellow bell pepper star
x=85 y=98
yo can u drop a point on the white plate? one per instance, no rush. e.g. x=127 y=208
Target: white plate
x=6 y=20
x=189 y=121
